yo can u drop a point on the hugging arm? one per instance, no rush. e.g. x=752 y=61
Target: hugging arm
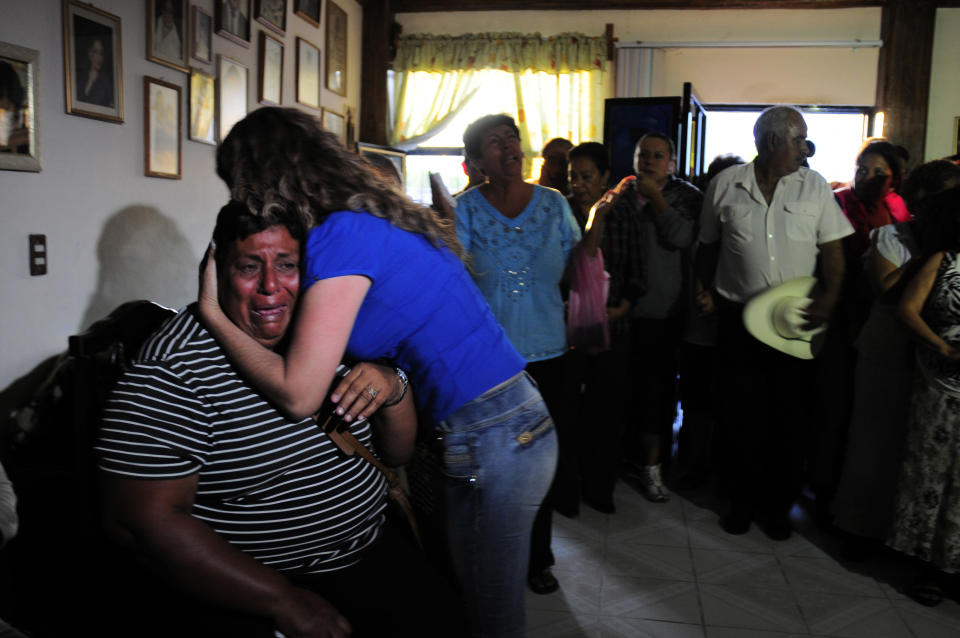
x=297 y=382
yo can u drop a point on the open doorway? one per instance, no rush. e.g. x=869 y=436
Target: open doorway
x=838 y=133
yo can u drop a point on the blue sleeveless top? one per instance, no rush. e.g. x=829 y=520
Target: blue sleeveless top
x=422 y=310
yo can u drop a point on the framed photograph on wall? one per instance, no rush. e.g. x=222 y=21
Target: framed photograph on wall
x=92 y=66
x=272 y=13
x=334 y=122
x=202 y=112
x=336 y=49
x=309 y=10
x=233 y=20
x=232 y=80
x=202 y=35
x=308 y=74
x=397 y=158
x=271 y=70
x=161 y=135
x=20 y=126
x=956 y=135
x=167 y=33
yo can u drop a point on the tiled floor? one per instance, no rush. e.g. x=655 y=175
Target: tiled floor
x=669 y=571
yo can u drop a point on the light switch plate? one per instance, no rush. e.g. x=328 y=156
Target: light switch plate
x=38 y=255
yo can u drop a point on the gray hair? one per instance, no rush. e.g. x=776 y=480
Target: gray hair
x=774 y=119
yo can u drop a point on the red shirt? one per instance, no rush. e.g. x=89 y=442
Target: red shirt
x=891 y=209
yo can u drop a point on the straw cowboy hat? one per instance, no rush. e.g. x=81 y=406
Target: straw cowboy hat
x=776 y=318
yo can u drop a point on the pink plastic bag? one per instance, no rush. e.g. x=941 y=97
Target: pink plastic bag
x=587 y=328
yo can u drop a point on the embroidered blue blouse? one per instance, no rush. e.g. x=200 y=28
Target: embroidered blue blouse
x=518 y=263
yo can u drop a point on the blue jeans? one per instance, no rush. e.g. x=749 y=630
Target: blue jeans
x=499 y=457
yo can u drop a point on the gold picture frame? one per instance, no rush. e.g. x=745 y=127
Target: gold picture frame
x=271 y=70
x=335 y=123
x=397 y=158
x=956 y=135
x=308 y=74
x=233 y=20
x=309 y=10
x=232 y=106
x=202 y=35
x=336 y=49
x=20 y=138
x=92 y=62
x=162 y=117
x=167 y=33
x=202 y=126
x=272 y=14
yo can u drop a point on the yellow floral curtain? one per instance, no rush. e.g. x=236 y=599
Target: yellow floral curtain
x=558 y=82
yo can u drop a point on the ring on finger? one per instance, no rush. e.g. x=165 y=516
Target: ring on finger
x=372 y=391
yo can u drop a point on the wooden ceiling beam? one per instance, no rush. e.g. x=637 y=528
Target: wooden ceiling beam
x=415 y=6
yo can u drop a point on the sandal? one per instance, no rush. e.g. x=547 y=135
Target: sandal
x=543 y=583
x=927 y=593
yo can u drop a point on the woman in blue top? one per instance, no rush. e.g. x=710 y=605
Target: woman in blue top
x=383 y=279
x=519 y=237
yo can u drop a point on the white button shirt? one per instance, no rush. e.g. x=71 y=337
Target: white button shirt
x=762 y=246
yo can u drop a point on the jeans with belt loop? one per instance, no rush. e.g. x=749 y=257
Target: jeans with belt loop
x=499 y=456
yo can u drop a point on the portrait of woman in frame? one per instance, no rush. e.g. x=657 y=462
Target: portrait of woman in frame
x=93 y=73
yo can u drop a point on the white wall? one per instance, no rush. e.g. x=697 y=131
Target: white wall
x=944 y=85
x=825 y=76
x=113 y=234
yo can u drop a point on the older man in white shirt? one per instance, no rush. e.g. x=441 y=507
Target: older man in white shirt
x=765 y=223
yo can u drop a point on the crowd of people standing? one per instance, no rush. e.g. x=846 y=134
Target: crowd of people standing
x=331 y=306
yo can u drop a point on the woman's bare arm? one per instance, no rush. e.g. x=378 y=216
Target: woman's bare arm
x=298 y=382
x=911 y=305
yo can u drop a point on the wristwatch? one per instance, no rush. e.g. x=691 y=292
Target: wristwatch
x=403 y=387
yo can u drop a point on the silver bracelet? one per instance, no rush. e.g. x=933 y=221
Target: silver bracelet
x=403 y=389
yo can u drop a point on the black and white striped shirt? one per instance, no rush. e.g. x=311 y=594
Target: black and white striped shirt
x=279 y=490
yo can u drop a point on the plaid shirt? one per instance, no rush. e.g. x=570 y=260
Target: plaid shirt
x=621 y=249
x=657 y=248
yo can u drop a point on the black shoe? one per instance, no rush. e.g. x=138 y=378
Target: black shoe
x=776 y=527
x=692 y=480
x=735 y=522
x=543 y=583
x=604 y=506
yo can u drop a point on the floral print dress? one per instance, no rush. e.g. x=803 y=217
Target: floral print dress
x=927 y=513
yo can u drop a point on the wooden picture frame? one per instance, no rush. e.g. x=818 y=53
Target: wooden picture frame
x=271 y=70
x=162 y=117
x=398 y=158
x=309 y=10
x=335 y=123
x=233 y=20
x=308 y=74
x=202 y=35
x=92 y=62
x=202 y=126
x=336 y=49
x=232 y=82
x=20 y=130
x=167 y=33
x=956 y=135
x=272 y=14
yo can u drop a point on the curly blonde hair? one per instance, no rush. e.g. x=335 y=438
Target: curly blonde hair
x=282 y=158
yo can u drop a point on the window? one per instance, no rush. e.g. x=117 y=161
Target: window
x=837 y=132
x=442 y=152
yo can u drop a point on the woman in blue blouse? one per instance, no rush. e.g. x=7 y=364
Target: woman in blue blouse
x=519 y=237
x=384 y=280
